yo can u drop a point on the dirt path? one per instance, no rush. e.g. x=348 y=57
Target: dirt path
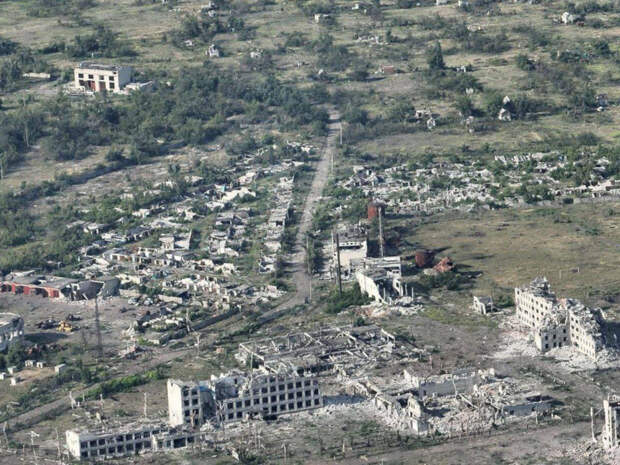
x=302 y=279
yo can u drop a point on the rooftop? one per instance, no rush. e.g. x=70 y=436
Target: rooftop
x=100 y=66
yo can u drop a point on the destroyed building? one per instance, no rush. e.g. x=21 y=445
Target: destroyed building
x=457 y=382
x=483 y=304
x=334 y=349
x=352 y=241
x=109 y=444
x=131 y=439
x=235 y=397
x=11 y=330
x=559 y=322
x=96 y=77
x=611 y=408
x=460 y=402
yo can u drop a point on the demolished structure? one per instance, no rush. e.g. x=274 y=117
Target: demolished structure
x=352 y=242
x=381 y=279
x=334 y=349
x=11 y=330
x=235 y=397
x=611 y=408
x=559 y=322
x=465 y=401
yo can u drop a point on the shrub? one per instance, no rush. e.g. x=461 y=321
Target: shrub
x=350 y=297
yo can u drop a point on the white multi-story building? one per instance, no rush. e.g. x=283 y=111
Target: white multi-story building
x=534 y=303
x=558 y=322
x=110 y=444
x=94 y=77
x=236 y=396
x=11 y=330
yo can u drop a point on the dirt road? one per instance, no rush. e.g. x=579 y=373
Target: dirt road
x=302 y=279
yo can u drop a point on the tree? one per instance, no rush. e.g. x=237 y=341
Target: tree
x=434 y=57
x=15 y=356
x=402 y=111
x=464 y=105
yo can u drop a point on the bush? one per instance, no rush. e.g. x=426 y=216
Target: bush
x=524 y=63
x=350 y=297
x=464 y=105
x=450 y=280
x=504 y=301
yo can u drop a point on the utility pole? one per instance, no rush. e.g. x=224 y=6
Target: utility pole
x=6 y=437
x=58 y=443
x=197 y=336
x=34 y=452
x=308 y=258
x=98 y=329
x=26 y=131
x=187 y=320
x=338 y=273
x=145 y=406
x=382 y=251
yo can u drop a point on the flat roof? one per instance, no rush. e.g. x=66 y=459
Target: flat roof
x=100 y=66
x=7 y=318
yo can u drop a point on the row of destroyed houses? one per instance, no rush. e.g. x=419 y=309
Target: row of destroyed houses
x=291 y=371
x=179 y=274
x=447 y=185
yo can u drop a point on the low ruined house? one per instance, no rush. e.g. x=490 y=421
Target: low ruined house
x=483 y=304
x=213 y=51
x=29 y=283
x=387 y=69
x=445 y=264
x=504 y=115
x=568 y=18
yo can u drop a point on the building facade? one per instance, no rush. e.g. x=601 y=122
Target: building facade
x=110 y=444
x=559 y=322
x=94 y=77
x=235 y=397
x=11 y=330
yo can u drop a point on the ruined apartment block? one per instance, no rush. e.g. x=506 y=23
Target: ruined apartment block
x=110 y=444
x=236 y=397
x=558 y=322
x=130 y=440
